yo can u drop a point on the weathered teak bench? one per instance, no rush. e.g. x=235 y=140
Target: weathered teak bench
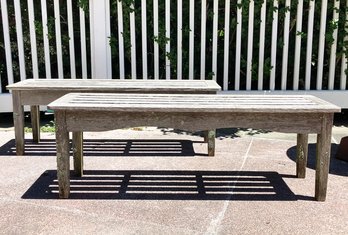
x=78 y=112
x=35 y=92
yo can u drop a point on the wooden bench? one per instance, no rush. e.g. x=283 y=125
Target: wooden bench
x=78 y=112
x=35 y=92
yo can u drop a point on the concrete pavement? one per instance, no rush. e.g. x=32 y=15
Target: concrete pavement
x=160 y=181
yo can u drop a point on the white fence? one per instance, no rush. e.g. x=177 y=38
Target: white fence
x=247 y=46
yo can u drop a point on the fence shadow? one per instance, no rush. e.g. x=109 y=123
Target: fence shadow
x=221 y=133
x=112 y=148
x=337 y=167
x=169 y=185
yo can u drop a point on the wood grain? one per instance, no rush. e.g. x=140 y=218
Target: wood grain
x=80 y=112
x=36 y=92
x=35 y=122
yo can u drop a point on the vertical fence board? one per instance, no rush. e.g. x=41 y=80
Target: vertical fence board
x=58 y=39
x=99 y=14
x=144 y=37
x=285 y=47
x=83 y=43
x=238 y=46
x=191 y=40
x=321 y=44
x=133 y=43
x=179 y=40
x=250 y=44
x=215 y=37
x=155 y=32
x=309 y=44
x=262 y=46
x=167 y=25
x=19 y=31
x=203 y=36
x=333 y=47
x=274 y=46
x=343 y=79
x=298 y=45
x=120 y=38
x=33 y=48
x=45 y=39
x=226 y=43
x=7 y=42
x=71 y=40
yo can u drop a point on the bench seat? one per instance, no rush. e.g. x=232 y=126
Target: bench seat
x=35 y=92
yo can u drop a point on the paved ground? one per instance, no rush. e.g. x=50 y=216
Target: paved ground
x=160 y=181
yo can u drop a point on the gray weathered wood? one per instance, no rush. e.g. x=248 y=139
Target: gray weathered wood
x=292 y=114
x=77 y=146
x=117 y=86
x=301 y=155
x=211 y=142
x=18 y=121
x=35 y=122
x=43 y=91
x=63 y=163
x=323 y=157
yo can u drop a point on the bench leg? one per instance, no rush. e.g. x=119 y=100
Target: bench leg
x=323 y=157
x=63 y=163
x=18 y=121
x=301 y=155
x=35 y=122
x=210 y=139
x=77 y=146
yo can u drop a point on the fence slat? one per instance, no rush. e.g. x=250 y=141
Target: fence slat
x=309 y=44
x=215 y=37
x=144 y=37
x=167 y=19
x=250 y=44
x=7 y=41
x=333 y=47
x=58 y=39
x=45 y=39
x=285 y=46
x=155 y=32
x=83 y=44
x=179 y=40
x=133 y=43
x=203 y=36
x=321 y=44
x=343 y=80
x=274 y=46
x=19 y=31
x=71 y=40
x=33 y=48
x=120 y=38
x=298 y=45
x=191 y=39
x=262 y=46
x=226 y=43
x=238 y=46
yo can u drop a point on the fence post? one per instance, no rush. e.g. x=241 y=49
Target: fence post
x=100 y=33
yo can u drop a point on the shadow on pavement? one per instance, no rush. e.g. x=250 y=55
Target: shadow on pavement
x=337 y=167
x=169 y=185
x=112 y=148
x=221 y=133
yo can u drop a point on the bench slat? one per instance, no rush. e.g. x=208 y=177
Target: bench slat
x=114 y=85
x=192 y=103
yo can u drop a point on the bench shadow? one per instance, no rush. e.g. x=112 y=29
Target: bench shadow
x=112 y=148
x=221 y=133
x=169 y=185
x=337 y=167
